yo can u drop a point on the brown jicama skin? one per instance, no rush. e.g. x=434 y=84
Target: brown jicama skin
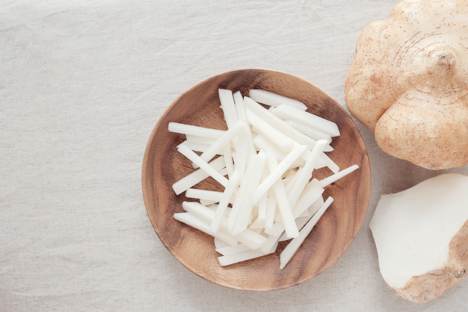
x=431 y=285
x=409 y=82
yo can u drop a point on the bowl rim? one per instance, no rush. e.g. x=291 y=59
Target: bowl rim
x=207 y=277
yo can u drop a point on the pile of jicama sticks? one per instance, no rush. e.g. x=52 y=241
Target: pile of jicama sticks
x=269 y=156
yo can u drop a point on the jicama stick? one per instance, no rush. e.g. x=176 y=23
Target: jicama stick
x=222 y=141
x=195 y=130
x=227 y=104
x=242 y=256
x=283 y=203
x=197 y=176
x=306 y=172
x=195 y=222
x=333 y=178
x=310 y=194
x=283 y=142
x=228 y=159
x=245 y=210
x=277 y=123
x=271 y=209
x=219 y=243
x=277 y=172
x=231 y=250
x=247 y=237
x=311 y=132
x=300 y=222
x=199 y=139
x=273 y=99
x=204 y=194
x=290 y=250
x=184 y=150
x=224 y=201
x=292 y=113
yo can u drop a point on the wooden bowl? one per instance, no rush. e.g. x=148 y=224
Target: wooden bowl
x=163 y=166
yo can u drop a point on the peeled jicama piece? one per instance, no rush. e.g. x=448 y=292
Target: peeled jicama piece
x=421 y=236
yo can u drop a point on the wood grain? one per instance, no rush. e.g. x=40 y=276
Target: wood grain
x=163 y=166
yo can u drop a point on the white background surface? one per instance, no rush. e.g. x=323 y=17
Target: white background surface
x=82 y=83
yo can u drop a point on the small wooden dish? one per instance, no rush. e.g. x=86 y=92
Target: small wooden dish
x=163 y=166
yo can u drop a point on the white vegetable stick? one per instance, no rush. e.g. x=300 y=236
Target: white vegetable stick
x=198 y=224
x=231 y=250
x=305 y=173
x=199 y=139
x=240 y=159
x=272 y=99
x=311 y=193
x=263 y=143
x=247 y=237
x=300 y=222
x=316 y=205
x=195 y=130
x=283 y=142
x=197 y=176
x=228 y=159
x=242 y=220
x=270 y=242
x=184 y=150
x=239 y=257
x=277 y=123
x=290 y=181
x=293 y=246
x=241 y=193
x=227 y=104
x=222 y=141
x=292 y=113
x=219 y=243
x=259 y=222
x=283 y=203
x=327 y=181
x=271 y=209
x=239 y=100
x=204 y=194
x=277 y=172
x=312 y=133
x=330 y=164
x=224 y=201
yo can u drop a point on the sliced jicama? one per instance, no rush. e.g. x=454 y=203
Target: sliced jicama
x=224 y=201
x=282 y=141
x=222 y=141
x=327 y=181
x=294 y=245
x=245 y=210
x=204 y=194
x=197 y=176
x=195 y=222
x=231 y=250
x=289 y=112
x=199 y=139
x=241 y=256
x=195 y=130
x=269 y=203
x=311 y=132
x=273 y=99
x=275 y=174
x=184 y=150
x=283 y=203
x=306 y=173
x=227 y=104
